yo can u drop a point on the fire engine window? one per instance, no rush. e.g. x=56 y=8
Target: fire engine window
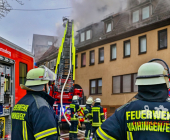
x=142 y=44
x=83 y=59
x=135 y=16
x=88 y=34
x=96 y=86
x=82 y=37
x=92 y=57
x=22 y=73
x=113 y=52
x=127 y=48
x=145 y=12
x=162 y=39
x=76 y=61
x=101 y=55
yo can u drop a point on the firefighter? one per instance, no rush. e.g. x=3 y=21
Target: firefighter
x=87 y=118
x=33 y=117
x=97 y=116
x=74 y=107
x=147 y=117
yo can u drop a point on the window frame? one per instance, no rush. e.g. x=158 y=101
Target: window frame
x=91 y=64
x=84 y=37
x=121 y=83
x=140 y=44
x=106 y=23
x=159 y=32
x=76 y=61
x=138 y=15
x=111 y=52
x=100 y=62
x=124 y=48
x=96 y=86
x=26 y=71
x=82 y=59
x=90 y=34
x=142 y=12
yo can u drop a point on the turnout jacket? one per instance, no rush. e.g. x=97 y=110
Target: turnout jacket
x=97 y=115
x=74 y=107
x=87 y=113
x=33 y=118
x=138 y=120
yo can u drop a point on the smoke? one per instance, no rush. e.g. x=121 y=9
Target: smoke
x=85 y=12
x=60 y=33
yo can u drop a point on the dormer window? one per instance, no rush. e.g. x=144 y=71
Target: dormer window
x=135 y=17
x=82 y=37
x=108 y=27
x=145 y=13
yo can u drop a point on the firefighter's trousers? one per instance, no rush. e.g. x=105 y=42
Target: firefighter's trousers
x=88 y=131
x=73 y=130
x=94 y=132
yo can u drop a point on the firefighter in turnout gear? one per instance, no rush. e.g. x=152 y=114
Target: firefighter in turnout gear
x=74 y=107
x=33 y=117
x=146 y=117
x=97 y=116
x=87 y=118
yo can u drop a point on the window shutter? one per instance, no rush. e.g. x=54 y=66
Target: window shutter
x=116 y=84
x=126 y=83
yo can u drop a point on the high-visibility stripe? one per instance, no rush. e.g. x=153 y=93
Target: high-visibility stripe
x=103 y=135
x=129 y=135
x=24 y=130
x=45 y=133
x=97 y=108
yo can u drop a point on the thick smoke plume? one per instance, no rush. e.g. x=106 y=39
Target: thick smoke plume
x=85 y=12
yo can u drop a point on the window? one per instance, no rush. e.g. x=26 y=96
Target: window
x=108 y=27
x=101 y=55
x=135 y=16
x=92 y=57
x=55 y=61
x=76 y=61
x=127 y=48
x=22 y=73
x=82 y=37
x=44 y=63
x=88 y=35
x=113 y=52
x=142 y=44
x=96 y=86
x=162 y=39
x=50 y=43
x=52 y=64
x=48 y=65
x=83 y=59
x=145 y=13
x=125 y=83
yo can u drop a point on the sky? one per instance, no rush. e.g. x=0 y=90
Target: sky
x=18 y=27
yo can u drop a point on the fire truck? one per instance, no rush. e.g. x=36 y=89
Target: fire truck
x=64 y=88
x=15 y=62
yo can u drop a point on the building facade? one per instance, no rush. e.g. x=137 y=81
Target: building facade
x=110 y=52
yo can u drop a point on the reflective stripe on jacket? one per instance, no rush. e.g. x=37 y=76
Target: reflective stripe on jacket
x=74 y=107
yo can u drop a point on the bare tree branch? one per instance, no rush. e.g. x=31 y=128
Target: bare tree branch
x=5 y=7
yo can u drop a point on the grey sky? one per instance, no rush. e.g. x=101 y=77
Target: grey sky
x=19 y=26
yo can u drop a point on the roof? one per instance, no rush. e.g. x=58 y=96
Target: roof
x=50 y=52
x=123 y=26
x=12 y=45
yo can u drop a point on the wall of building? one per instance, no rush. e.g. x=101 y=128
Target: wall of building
x=120 y=66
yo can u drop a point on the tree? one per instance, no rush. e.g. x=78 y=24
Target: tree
x=5 y=7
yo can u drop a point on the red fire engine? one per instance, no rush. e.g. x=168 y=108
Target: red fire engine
x=15 y=62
